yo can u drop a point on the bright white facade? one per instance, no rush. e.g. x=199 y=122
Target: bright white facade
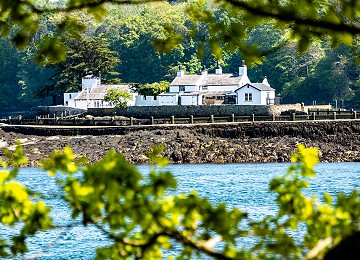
x=212 y=89
x=164 y=99
x=255 y=94
x=92 y=94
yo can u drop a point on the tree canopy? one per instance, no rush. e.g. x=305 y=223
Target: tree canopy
x=268 y=34
x=153 y=89
x=118 y=98
x=84 y=55
x=303 y=20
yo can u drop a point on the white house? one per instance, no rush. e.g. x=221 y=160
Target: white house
x=210 y=89
x=255 y=94
x=92 y=94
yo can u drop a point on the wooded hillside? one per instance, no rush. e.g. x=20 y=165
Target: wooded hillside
x=120 y=47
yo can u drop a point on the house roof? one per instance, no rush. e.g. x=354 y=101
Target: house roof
x=99 y=91
x=186 y=80
x=220 y=80
x=258 y=86
x=206 y=80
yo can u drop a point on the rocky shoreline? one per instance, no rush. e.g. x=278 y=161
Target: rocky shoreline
x=190 y=145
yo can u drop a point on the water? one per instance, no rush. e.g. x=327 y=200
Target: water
x=239 y=185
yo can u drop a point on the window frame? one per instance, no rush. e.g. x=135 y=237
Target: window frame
x=248 y=97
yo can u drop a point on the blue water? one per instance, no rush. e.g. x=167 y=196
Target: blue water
x=239 y=185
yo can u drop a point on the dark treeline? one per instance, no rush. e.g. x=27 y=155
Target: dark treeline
x=120 y=48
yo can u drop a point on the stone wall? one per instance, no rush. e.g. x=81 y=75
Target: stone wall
x=58 y=111
x=177 y=111
x=305 y=129
x=182 y=111
x=277 y=109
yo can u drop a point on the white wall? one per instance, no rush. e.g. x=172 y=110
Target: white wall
x=244 y=80
x=88 y=83
x=176 y=89
x=168 y=100
x=146 y=101
x=256 y=96
x=161 y=100
x=264 y=95
x=69 y=99
x=191 y=100
x=81 y=104
x=221 y=88
x=191 y=88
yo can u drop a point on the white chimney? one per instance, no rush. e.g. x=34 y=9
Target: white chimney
x=180 y=72
x=218 y=69
x=242 y=69
x=90 y=81
x=204 y=71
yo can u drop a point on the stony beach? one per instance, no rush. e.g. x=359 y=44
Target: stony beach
x=189 y=145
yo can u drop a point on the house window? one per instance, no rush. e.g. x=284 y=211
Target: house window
x=182 y=88
x=204 y=87
x=248 y=96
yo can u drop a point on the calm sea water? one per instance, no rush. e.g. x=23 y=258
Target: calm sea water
x=239 y=185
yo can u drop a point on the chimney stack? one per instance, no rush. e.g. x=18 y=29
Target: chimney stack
x=218 y=69
x=204 y=70
x=180 y=72
x=242 y=69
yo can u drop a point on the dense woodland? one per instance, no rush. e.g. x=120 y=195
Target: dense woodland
x=120 y=48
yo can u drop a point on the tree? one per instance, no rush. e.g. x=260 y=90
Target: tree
x=142 y=220
x=84 y=55
x=153 y=89
x=118 y=98
x=300 y=20
x=132 y=35
x=305 y=21
x=9 y=60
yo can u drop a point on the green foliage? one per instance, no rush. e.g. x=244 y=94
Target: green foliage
x=83 y=55
x=302 y=20
x=194 y=34
x=118 y=98
x=18 y=206
x=142 y=218
x=153 y=89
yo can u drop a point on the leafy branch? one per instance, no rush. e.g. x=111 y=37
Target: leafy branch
x=142 y=220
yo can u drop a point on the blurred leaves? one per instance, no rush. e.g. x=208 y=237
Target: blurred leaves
x=17 y=206
x=142 y=217
x=225 y=22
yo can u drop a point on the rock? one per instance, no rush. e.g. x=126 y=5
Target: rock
x=3 y=144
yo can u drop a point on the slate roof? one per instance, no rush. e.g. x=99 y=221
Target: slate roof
x=206 y=80
x=220 y=80
x=258 y=86
x=99 y=91
x=186 y=80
